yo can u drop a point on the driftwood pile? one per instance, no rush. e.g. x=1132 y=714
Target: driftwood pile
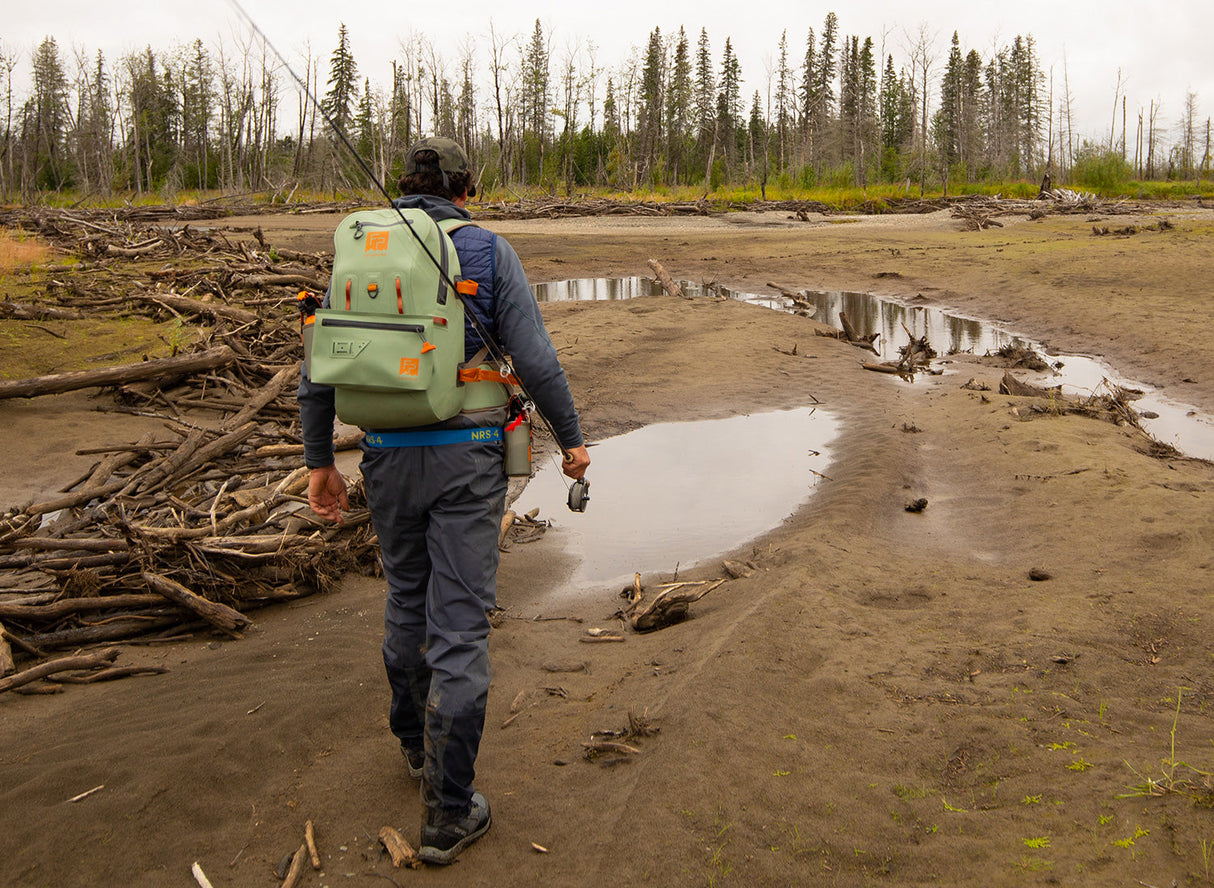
x=170 y=214
x=1015 y=355
x=671 y=605
x=558 y=208
x=193 y=527
x=980 y=212
x=914 y=357
x=1109 y=402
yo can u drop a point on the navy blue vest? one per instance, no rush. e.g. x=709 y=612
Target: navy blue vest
x=477 y=260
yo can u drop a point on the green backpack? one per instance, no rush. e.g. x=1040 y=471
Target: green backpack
x=391 y=342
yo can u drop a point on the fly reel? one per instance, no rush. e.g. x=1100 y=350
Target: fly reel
x=579 y=495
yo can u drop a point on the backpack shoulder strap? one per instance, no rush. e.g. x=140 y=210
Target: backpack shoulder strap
x=454 y=224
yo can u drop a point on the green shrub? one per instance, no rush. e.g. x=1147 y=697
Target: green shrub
x=1103 y=171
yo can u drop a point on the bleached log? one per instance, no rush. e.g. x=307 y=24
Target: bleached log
x=257 y=511
x=278 y=280
x=342 y=442
x=112 y=673
x=219 y=615
x=75 y=498
x=63 y=664
x=268 y=393
x=98 y=484
x=117 y=630
x=1010 y=385
x=56 y=610
x=665 y=279
x=194 y=306
x=883 y=367
x=261 y=544
x=192 y=454
x=114 y=250
x=77 y=545
x=160 y=368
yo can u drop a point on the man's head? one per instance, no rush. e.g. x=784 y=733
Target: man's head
x=439 y=167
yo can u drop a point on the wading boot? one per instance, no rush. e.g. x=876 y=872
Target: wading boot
x=415 y=759
x=447 y=833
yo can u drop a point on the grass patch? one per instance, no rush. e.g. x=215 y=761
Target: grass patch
x=19 y=250
x=906 y=793
x=29 y=348
x=1175 y=776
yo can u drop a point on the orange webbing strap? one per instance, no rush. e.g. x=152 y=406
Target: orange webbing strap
x=482 y=374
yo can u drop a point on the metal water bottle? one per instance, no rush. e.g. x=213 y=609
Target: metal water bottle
x=516 y=437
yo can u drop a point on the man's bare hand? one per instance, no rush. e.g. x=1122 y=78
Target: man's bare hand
x=327 y=493
x=577 y=460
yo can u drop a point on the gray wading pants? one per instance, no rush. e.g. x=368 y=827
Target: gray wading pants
x=437 y=511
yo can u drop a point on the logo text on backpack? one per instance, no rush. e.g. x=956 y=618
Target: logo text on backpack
x=377 y=242
x=409 y=366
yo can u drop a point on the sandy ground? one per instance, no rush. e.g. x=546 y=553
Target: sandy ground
x=887 y=699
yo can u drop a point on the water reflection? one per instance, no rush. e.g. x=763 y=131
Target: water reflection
x=1177 y=424
x=867 y=313
x=677 y=493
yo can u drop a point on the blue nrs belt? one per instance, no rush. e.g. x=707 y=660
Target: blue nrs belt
x=482 y=435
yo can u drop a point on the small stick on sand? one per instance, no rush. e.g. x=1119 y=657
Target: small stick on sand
x=200 y=877
x=310 y=841
x=297 y=867
x=398 y=847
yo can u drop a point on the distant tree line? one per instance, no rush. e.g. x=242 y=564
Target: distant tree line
x=834 y=110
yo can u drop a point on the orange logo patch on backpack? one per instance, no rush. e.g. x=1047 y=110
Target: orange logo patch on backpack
x=377 y=242
x=409 y=367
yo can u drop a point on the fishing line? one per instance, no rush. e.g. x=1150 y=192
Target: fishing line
x=488 y=340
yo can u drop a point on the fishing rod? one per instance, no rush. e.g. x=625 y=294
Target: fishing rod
x=579 y=491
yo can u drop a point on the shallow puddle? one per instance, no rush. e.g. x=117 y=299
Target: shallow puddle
x=1168 y=421
x=674 y=494
x=868 y=313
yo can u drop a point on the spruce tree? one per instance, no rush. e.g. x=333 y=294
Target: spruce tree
x=809 y=96
x=705 y=101
x=729 y=100
x=651 y=110
x=197 y=113
x=46 y=120
x=950 y=104
x=824 y=91
x=678 y=107
x=339 y=101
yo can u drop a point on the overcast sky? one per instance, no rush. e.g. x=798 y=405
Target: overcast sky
x=1163 y=50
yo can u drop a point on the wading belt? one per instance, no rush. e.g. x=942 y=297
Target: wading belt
x=480 y=435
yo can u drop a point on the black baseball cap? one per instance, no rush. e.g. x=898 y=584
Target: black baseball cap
x=451 y=158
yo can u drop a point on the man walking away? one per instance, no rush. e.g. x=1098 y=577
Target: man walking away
x=437 y=510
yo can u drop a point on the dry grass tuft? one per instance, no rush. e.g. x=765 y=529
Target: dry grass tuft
x=17 y=251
